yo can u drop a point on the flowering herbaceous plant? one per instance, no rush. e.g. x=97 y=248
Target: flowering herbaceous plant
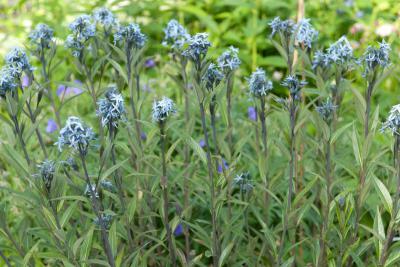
x=103 y=171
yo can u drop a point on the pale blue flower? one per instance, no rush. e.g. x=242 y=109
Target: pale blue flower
x=212 y=77
x=83 y=28
x=374 y=58
x=305 y=32
x=105 y=221
x=294 y=86
x=91 y=190
x=46 y=172
x=41 y=36
x=7 y=81
x=198 y=47
x=18 y=61
x=76 y=135
x=131 y=35
x=284 y=27
x=340 y=52
x=111 y=108
x=393 y=121
x=105 y=17
x=320 y=60
x=163 y=109
x=51 y=126
x=252 y=113
x=326 y=110
x=243 y=182
x=175 y=35
x=229 y=60
x=259 y=85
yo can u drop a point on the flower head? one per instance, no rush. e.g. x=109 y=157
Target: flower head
x=162 y=109
x=340 y=52
x=18 y=61
x=104 y=221
x=178 y=230
x=175 y=35
x=73 y=43
x=294 y=86
x=41 y=36
x=76 y=135
x=46 y=172
x=222 y=166
x=198 y=47
x=111 y=108
x=91 y=190
x=212 y=77
x=105 y=17
x=83 y=28
x=326 y=110
x=7 y=81
x=374 y=57
x=284 y=27
x=229 y=60
x=243 y=182
x=131 y=35
x=259 y=85
x=305 y=32
x=320 y=60
x=393 y=121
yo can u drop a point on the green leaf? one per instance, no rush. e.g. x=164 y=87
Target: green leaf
x=225 y=253
x=197 y=149
x=113 y=238
x=384 y=195
x=68 y=213
x=87 y=245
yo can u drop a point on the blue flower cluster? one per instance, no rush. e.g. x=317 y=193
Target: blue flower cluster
x=243 y=182
x=340 y=52
x=374 y=58
x=18 y=61
x=105 y=18
x=105 y=220
x=320 y=60
x=46 y=172
x=294 y=86
x=91 y=190
x=82 y=30
x=305 y=33
x=111 y=108
x=41 y=36
x=175 y=35
x=259 y=85
x=284 y=27
x=162 y=109
x=76 y=135
x=7 y=81
x=198 y=47
x=229 y=61
x=392 y=123
x=131 y=35
x=212 y=77
x=326 y=110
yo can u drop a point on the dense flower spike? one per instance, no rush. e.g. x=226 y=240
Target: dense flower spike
x=131 y=35
x=284 y=27
x=111 y=108
x=229 y=60
x=305 y=33
x=340 y=52
x=46 y=172
x=76 y=135
x=198 y=47
x=7 y=81
x=294 y=86
x=393 y=121
x=41 y=36
x=243 y=182
x=105 y=18
x=175 y=35
x=18 y=61
x=162 y=109
x=259 y=85
x=374 y=58
x=212 y=77
x=326 y=110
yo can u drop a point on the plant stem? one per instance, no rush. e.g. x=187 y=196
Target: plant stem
x=392 y=224
x=265 y=150
x=5 y=259
x=368 y=95
x=97 y=210
x=229 y=88
x=292 y=111
x=328 y=178
x=38 y=134
x=164 y=187
x=20 y=137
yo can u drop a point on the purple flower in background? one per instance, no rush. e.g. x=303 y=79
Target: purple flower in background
x=252 y=113
x=225 y=164
x=143 y=136
x=150 y=63
x=25 y=81
x=51 y=126
x=178 y=230
x=202 y=143
x=64 y=91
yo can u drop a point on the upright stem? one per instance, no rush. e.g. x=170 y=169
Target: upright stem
x=164 y=187
x=38 y=134
x=292 y=111
x=98 y=211
x=20 y=137
x=5 y=259
x=229 y=88
x=368 y=95
x=392 y=224
x=328 y=178
x=265 y=150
